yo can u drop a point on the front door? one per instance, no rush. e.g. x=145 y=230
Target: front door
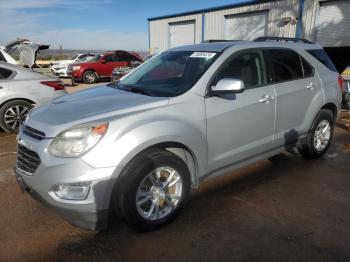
x=240 y=126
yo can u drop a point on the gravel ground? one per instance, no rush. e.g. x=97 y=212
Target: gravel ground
x=283 y=209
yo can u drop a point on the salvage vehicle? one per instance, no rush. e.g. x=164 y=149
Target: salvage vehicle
x=191 y=113
x=119 y=72
x=59 y=67
x=28 y=52
x=20 y=90
x=90 y=72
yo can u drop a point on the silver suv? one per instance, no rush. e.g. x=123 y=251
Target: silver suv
x=191 y=113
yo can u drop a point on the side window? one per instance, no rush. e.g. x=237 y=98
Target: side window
x=248 y=67
x=110 y=58
x=4 y=73
x=322 y=56
x=285 y=65
x=308 y=70
x=2 y=58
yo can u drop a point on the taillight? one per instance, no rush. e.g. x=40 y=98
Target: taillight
x=341 y=82
x=57 y=85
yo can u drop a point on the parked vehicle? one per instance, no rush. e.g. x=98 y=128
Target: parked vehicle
x=93 y=70
x=59 y=68
x=346 y=85
x=28 y=52
x=20 y=90
x=189 y=114
x=119 y=72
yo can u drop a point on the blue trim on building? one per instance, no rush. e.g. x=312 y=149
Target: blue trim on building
x=149 y=37
x=299 y=29
x=245 y=3
x=203 y=25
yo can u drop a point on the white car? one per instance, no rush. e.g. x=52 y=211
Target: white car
x=20 y=90
x=59 y=68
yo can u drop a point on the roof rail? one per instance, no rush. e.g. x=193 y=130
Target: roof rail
x=219 y=40
x=286 y=39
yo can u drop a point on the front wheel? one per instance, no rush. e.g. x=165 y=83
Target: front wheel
x=320 y=135
x=153 y=189
x=90 y=77
x=13 y=114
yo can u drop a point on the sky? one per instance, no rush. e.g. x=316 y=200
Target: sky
x=89 y=24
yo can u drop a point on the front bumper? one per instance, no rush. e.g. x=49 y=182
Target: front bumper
x=91 y=213
x=92 y=220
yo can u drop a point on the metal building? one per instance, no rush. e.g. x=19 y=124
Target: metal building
x=326 y=22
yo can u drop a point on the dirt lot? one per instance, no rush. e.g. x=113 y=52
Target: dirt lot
x=284 y=209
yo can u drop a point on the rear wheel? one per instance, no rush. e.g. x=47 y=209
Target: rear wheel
x=13 y=114
x=153 y=189
x=320 y=135
x=90 y=77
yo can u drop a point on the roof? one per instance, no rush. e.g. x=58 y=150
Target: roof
x=221 y=46
x=205 y=10
x=207 y=47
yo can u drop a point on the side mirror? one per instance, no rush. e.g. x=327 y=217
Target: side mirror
x=228 y=86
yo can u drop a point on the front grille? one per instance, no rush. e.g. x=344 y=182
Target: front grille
x=27 y=160
x=34 y=133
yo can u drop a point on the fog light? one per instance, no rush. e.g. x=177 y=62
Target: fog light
x=76 y=191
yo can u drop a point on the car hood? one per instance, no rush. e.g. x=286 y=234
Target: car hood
x=63 y=62
x=95 y=104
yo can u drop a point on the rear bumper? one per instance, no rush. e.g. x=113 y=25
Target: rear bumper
x=88 y=219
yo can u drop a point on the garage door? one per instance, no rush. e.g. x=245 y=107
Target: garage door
x=246 y=26
x=181 y=33
x=333 y=23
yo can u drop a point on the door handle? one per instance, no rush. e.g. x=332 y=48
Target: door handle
x=266 y=99
x=1 y=87
x=310 y=86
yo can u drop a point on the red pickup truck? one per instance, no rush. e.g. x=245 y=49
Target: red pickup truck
x=101 y=66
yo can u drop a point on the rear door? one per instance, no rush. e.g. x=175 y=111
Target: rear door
x=296 y=85
x=5 y=74
x=240 y=126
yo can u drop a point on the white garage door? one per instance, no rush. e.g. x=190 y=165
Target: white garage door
x=333 y=26
x=246 y=26
x=182 y=33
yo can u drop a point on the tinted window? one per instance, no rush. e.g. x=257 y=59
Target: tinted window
x=248 y=67
x=308 y=70
x=322 y=56
x=2 y=58
x=4 y=73
x=285 y=65
x=110 y=58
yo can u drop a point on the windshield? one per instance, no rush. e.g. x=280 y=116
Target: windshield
x=73 y=57
x=168 y=74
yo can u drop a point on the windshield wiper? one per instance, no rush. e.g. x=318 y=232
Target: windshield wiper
x=138 y=90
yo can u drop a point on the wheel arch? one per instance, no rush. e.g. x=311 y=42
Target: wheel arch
x=333 y=108
x=13 y=99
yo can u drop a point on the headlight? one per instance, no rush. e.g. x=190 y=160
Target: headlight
x=75 y=191
x=77 y=140
x=75 y=68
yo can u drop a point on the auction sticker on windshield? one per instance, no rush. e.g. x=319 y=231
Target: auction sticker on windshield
x=203 y=55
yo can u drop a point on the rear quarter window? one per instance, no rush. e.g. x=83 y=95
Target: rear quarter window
x=4 y=73
x=322 y=56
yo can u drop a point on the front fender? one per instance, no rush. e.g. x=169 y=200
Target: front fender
x=118 y=150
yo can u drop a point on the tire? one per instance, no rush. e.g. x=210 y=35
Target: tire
x=89 y=77
x=13 y=114
x=137 y=199
x=314 y=147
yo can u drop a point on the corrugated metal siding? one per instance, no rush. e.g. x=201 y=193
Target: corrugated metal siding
x=310 y=17
x=214 y=21
x=159 y=31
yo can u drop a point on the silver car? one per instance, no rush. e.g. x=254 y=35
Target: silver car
x=20 y=90
x=136 y=147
